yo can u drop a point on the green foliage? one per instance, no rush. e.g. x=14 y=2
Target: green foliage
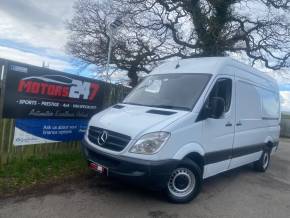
x=285 y=116
x=21 y=174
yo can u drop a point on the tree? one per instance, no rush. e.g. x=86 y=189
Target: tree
x=259 y=29
x=134 y=49
x=156 y=30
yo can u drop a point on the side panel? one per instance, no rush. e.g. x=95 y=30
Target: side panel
x=185 y=138
x=215 y=168
x=239 y=161
x=271 y=112
x=252 y=127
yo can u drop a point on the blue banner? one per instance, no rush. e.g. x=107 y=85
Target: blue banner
x=37 y=131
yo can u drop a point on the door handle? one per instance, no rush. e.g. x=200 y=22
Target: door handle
x=229 y=124
x=239 y=123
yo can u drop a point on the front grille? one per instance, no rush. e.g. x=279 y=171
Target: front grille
x=115 y=141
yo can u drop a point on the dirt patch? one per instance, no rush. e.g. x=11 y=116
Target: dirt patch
x=161 y=214
x=58 y=186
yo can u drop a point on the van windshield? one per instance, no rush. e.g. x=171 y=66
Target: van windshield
x=171 y=91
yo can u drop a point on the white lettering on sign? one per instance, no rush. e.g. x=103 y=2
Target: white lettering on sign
x=80 y=89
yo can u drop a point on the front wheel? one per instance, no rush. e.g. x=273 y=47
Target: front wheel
x=184 y=183
x=263 y=163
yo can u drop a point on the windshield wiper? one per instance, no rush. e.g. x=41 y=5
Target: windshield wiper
x=171 y=107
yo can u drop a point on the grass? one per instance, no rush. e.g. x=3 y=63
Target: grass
x=23 y=174
x=285 y=116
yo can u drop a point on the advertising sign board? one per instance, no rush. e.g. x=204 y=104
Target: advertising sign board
x=39 y=131
x=36 y=92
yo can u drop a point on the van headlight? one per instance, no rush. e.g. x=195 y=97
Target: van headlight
x=150 y=143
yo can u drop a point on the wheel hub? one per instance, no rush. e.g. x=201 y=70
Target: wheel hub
x=182 y=182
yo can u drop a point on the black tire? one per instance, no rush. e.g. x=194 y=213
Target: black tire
x=191 y=174
x=263 y=163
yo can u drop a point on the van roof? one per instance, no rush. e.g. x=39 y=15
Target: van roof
x=208 y=65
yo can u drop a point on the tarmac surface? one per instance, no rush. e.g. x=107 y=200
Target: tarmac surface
x=239 y=193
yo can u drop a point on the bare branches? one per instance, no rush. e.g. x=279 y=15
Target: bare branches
x=284 y=4
x=216 y=28
x=264 y=40
x=156 y=30
x=137 y=46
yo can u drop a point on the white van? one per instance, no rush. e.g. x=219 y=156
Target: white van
x=187 y=121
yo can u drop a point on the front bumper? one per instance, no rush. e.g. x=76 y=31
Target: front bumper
x=154 y=174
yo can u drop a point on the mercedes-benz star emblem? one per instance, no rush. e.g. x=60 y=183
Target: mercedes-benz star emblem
x=103 y=138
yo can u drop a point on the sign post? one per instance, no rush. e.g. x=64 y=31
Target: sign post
x=2 y=84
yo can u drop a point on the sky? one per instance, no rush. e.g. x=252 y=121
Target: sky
x=33 y=31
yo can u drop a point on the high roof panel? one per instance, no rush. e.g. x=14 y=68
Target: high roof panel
x=210 y=65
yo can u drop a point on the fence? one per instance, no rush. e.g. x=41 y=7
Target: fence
x=9 y=152
x=285 y=126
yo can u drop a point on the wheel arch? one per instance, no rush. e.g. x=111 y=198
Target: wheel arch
x=269 y=142
x=192 y=151
x=197 y=158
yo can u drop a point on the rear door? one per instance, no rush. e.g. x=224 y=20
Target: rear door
x=218 y=134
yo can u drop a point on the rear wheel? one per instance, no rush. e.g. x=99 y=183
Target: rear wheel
x=184 y=183
x=263 y=163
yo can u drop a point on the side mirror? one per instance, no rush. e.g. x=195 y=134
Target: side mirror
x=216 y=107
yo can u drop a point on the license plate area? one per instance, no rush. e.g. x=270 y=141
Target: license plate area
x=99 y=168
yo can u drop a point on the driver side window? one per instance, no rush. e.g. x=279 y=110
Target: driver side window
x=223 y=89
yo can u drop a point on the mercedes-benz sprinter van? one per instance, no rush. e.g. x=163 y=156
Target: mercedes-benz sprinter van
x=187 y=121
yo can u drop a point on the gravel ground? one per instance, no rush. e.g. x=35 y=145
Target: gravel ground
x=239 y=193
